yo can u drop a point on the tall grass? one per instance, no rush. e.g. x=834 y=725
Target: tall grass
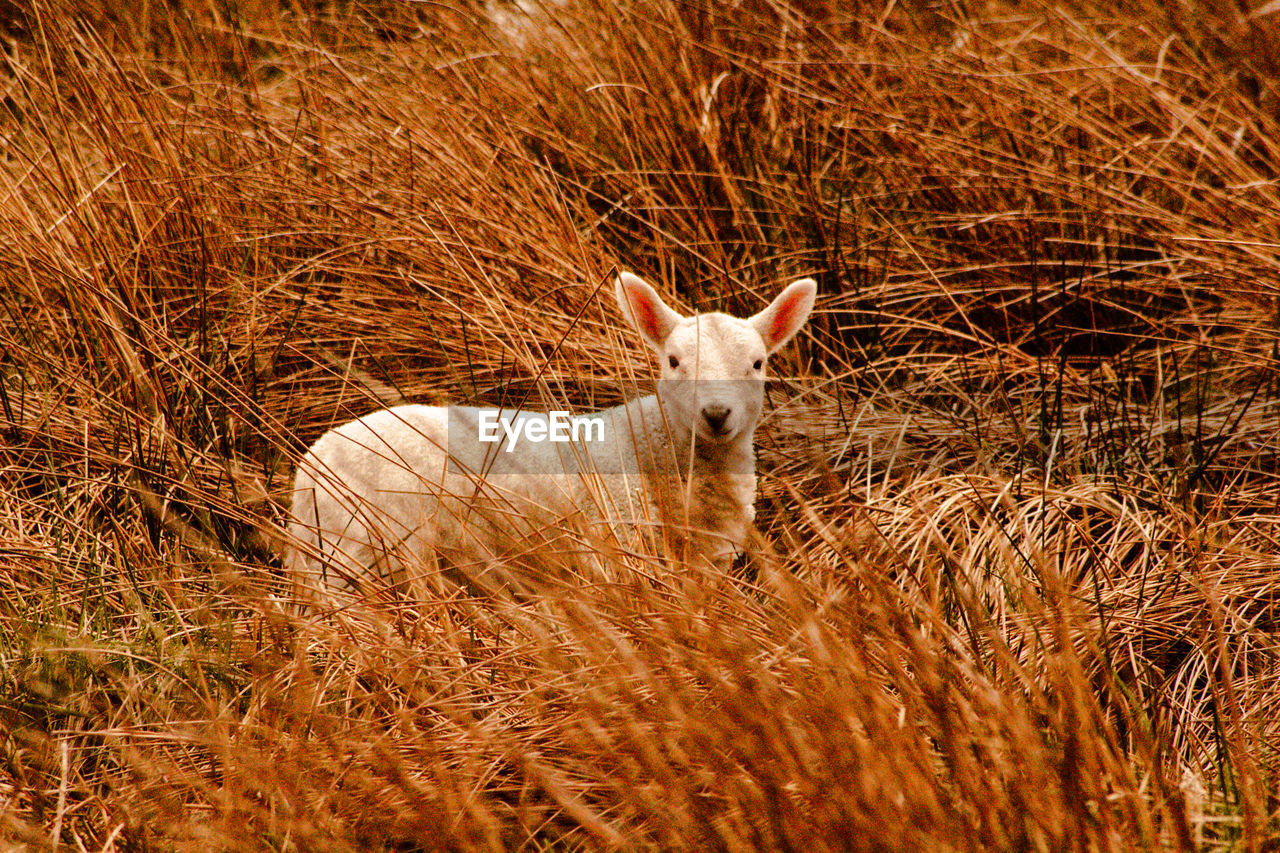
x=1019 y=520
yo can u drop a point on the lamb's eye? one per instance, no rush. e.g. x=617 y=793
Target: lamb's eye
x=759 y=364
x=673 y=361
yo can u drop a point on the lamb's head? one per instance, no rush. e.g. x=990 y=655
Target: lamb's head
x=713 y=365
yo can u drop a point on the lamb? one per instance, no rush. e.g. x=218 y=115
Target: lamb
x=377 y=496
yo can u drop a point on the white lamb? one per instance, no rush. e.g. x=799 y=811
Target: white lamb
x=375 y=497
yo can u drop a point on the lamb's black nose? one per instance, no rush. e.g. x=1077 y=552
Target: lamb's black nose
x=716 y=416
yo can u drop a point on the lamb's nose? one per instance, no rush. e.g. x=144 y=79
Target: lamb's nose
x=716 y=416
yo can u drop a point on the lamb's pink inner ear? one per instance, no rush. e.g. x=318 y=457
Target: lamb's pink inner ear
x=645 y=312
x=784 y=319
x=786 y=314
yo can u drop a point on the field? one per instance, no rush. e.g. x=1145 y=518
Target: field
x=1018 y=555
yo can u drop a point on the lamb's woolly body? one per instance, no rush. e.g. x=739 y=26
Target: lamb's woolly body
x=375 y=494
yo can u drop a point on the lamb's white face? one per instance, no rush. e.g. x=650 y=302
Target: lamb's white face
x=712 y=366
x=712 y=370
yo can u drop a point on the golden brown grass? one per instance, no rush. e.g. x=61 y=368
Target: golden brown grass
x=1019 y=513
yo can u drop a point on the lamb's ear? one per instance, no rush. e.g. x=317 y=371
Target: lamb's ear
x=785 y=314
x=645 y=310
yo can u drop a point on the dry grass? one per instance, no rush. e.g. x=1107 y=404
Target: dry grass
x=1020 y=510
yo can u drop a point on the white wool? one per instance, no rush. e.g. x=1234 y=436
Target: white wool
x=378 y=494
